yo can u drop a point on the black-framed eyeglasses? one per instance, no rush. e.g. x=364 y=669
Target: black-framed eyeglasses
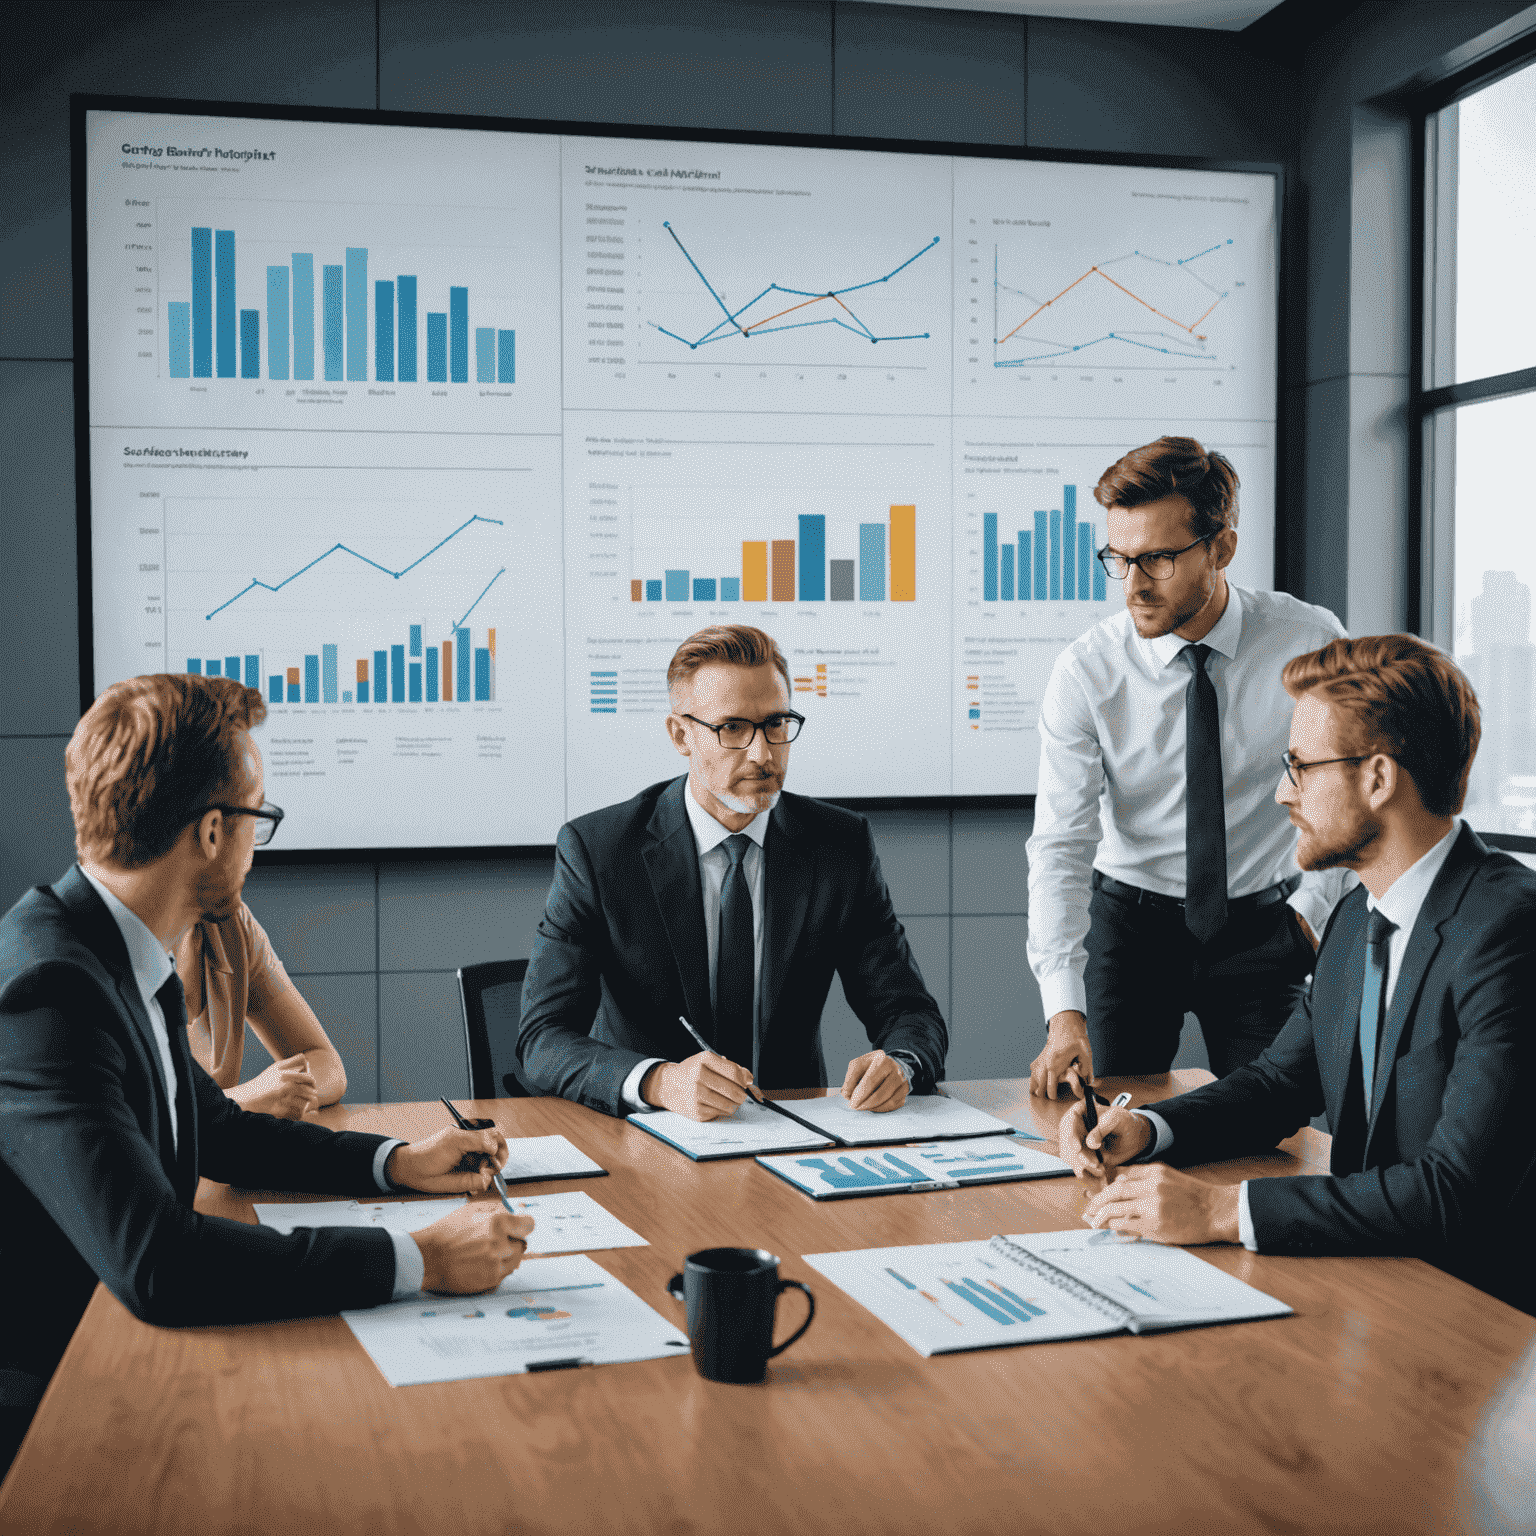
x=1158 y=564
x=736 y=735
x=1294 y=767
x=269 y=818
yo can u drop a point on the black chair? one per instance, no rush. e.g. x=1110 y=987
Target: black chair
x=492 y=998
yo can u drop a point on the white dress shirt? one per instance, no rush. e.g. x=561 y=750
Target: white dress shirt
x=1111 y=794
x=1401 y=905
x=709 y=839
x=153 y=966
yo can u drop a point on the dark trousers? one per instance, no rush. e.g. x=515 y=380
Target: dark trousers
x=1146 y=971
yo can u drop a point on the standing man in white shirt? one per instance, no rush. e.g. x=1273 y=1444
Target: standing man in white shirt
x=1162 y=874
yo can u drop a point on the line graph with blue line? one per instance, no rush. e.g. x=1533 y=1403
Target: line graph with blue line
x=1138 y=309
x=767 y=313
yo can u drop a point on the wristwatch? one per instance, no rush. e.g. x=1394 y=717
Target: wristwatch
x=911 y=1066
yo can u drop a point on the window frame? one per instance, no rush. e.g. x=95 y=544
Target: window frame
x=1433 y=404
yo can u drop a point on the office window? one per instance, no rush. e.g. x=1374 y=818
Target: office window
x=1477 y=409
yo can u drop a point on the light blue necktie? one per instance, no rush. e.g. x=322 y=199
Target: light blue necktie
x=1373 y=997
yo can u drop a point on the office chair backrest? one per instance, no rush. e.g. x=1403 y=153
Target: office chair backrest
x=492 y=999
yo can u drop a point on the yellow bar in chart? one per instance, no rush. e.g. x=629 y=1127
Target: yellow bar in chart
x=754 y=571
x=903 y=554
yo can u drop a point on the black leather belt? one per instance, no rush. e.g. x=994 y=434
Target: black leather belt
x=1235 y=904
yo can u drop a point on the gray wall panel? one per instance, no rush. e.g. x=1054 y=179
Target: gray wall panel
x=713 y=64
x=991 y=867
x=318 y=52
x=319 y=917
x=39 y=685
x=443 y=916
x=996 y=1024
x=421 y=1036
x=908 y=73
x=913 y=847
x=37 y=836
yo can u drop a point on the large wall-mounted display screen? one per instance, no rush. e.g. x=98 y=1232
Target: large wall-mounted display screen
x=443 y=438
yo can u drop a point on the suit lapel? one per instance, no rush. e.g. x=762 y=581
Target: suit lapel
x=99 y=932
x=789 y=875
x=672 y=866
x=1439 y=905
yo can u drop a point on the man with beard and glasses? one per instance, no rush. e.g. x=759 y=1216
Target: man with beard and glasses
x=719 y=898
x=1162 y=877
x=106 y=1120
x=1418 y=1038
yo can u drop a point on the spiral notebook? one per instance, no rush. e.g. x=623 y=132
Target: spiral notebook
x=1034 y=1287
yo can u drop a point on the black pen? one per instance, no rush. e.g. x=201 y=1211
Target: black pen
x=698 y=1040
x=1090 y=1111
x=496 y=1179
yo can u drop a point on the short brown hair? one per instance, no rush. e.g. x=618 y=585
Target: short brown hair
x=1402 y=697
x=148 y=755
x=1174 y=466
x=739 y=645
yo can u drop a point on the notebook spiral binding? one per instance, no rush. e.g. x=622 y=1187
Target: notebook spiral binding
x=1060 y=1280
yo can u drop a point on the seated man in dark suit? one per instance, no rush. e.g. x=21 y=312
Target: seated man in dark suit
x=107 y=1122
x=721 y=899
x=1418 y=1038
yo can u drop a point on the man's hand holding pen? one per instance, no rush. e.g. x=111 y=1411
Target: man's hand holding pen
x=1095 y=1150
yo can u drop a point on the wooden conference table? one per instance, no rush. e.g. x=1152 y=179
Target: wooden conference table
x=1374 y=1409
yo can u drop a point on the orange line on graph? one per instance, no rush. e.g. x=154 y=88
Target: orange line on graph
x=792 y=308
x=1064 y=292
x=1123 y=289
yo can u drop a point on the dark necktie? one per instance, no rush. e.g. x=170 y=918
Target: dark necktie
x=734 y=959
x=1205 y=817
x=1373 y=998
x=173 y=1004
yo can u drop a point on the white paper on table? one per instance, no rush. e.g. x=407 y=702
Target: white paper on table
x=572 y=1223
x=405 y=1215
x=546 y=1157
x=924 y=1117
x=313 y=1213
x=751 y=1129
x=1163 y=1287
x=548 y=1310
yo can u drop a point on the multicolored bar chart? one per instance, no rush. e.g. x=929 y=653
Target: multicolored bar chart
x=882 y=569
x=206 y=338
x=455 y=670
x=1053 y=561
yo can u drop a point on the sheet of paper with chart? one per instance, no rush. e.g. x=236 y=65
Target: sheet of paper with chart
x=572 y=1222
x=924 y=1117
x=549 y=1314
x=752 y=1129
x=944 y=1297
x=531 y=1158
x=1163 y=1287
x=938 y=1165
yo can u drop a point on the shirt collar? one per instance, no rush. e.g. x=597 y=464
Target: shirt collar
x=152 y=966
x=708 y=833
x=1224 y=636
x=1406 y=895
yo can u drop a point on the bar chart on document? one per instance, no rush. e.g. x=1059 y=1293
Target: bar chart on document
x=831 y=534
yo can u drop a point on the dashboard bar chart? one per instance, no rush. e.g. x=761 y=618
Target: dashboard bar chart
x=206 y=336
x=1054 y=561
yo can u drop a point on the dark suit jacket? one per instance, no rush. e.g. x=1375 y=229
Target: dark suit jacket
x=1444 y=1168
x=621 y=950
x=90 y=1186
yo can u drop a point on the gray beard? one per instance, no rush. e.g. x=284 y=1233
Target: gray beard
x=745 y=807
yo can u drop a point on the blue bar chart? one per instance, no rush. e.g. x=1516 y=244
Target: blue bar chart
x=368 y=330
x=1053 y=560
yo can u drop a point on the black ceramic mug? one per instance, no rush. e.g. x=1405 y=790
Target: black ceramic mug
x=731 y=1294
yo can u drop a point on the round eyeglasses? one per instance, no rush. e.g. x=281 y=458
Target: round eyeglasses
x=736 y=735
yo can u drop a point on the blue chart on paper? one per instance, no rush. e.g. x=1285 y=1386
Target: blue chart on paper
x=990 y=1297
x=903 y=1166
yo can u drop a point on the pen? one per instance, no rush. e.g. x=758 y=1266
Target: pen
x=1121 y=1100
x=698 y=1040
x=1090 y=1111
x=496 y=1178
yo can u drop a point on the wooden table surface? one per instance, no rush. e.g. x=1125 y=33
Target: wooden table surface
x=1384 y=1405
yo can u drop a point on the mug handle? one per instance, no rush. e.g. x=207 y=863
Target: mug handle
x=794 y=1285
x=675 y=1287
